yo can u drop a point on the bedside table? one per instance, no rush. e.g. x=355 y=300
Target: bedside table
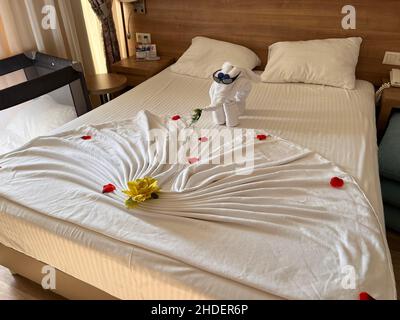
x=139 y=71
x=390 y=100
x=104 y=85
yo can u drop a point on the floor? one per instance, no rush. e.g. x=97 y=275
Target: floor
x=394 y=245
x=18 y=288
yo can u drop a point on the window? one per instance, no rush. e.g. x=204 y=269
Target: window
x=95 y=35
x=93 y=27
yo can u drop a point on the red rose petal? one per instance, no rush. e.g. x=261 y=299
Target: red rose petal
x=86 y=138
x=193 y=160
x=262 y=137
x=365 y=296
x=203 y=139
x=337 y=182
x=108 y=188
x=176 y=118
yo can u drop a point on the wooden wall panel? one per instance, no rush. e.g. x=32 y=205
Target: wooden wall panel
x=258 y=23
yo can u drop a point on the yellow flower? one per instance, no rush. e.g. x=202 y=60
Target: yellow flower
x=141 y=190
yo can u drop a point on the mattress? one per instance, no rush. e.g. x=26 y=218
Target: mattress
x=338 y=124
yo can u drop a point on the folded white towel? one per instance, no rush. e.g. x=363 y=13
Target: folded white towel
x=228 y=101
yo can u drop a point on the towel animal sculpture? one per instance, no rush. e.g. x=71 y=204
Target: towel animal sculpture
x=229 y=91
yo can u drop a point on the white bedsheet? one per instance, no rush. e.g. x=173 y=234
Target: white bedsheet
x=264 y=226
x=336 y=123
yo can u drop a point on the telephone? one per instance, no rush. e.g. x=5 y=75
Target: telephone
x=394 y=82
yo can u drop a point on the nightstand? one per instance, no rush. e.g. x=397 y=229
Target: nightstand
x=139 y=71
x=390 y=100
x=105 y=85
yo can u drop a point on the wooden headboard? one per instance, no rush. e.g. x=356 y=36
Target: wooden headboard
x=257 y=24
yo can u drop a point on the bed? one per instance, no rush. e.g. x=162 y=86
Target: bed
x=338 y=124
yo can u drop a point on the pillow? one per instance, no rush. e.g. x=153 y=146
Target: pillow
x=205 y=56
x=31 y=119
x=329 y=62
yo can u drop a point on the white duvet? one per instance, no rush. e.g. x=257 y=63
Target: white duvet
x=282 y=229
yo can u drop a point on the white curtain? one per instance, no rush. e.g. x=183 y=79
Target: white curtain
x=21 y=30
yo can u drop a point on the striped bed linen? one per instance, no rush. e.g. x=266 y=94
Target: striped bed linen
x=338 y=124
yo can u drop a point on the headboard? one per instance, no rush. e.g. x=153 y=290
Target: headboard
x=257 y=24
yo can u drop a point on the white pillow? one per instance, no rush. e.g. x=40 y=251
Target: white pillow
x=31 y=119
x=328 y=62
x=205 y=56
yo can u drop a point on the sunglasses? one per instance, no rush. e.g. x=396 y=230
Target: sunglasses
x=220 y=77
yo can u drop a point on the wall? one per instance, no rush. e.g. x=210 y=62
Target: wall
x=259 y=23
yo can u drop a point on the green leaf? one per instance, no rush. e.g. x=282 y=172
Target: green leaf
x=196 y=115
x=130 y=204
